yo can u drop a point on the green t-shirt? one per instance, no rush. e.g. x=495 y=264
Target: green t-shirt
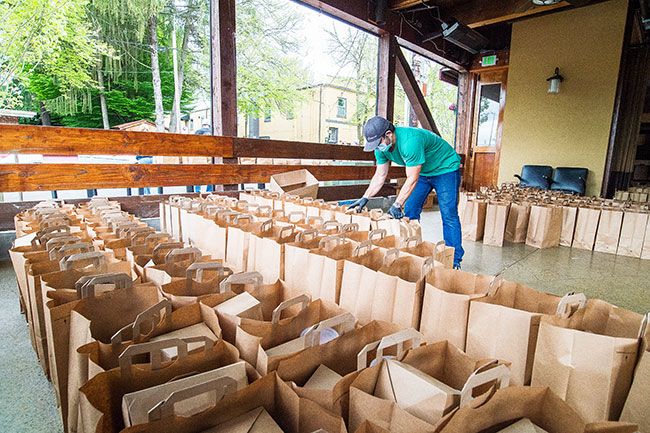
x=415 y=146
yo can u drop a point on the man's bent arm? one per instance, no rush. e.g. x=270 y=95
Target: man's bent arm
x=412 y=175
x=381 y=172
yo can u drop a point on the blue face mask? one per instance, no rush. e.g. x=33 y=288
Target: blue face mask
x=383 y=147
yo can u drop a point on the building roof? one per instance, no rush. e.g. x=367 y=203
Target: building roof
x=135 y=123
x=17 y=113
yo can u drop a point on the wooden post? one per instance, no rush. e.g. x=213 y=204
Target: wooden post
x=386 y=76
x=413 y=92
x=223 y=74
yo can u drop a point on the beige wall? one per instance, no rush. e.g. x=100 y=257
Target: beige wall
x=570 y=128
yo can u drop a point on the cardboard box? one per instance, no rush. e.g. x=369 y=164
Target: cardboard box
x=198 y=330
x=136 y=405
x=300 y=182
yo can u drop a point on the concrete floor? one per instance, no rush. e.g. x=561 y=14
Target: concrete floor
x=27 y=401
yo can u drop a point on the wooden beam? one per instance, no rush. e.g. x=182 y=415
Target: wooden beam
x=27 y=139
x=359 y=13
x=48 y=177
x=251 y=147
x=386 y=76
x=478 y=13
x=223 y=67
x=413 y=92
x=396 y=5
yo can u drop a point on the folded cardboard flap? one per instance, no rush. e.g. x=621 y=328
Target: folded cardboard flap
x=524 y=425
x=323 y=378
x=242 y=305
x=136 y=405
x=256 y=421
x=198 y=330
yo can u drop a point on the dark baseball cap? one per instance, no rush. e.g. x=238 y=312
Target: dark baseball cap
x=373 y=131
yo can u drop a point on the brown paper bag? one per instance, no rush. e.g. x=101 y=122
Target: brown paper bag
x=175 y=265
x=237 y=244
x=504 y=325
x=632 y=233
x=495 y=411
x=254 y=338
x=517 y=224
x=322 y=278
x=473 y=220
x=569 y=214
x=588 y=357
x=495 y=223
x=340 y=355
x=445 y=308
x=367 y=390
x=202 y=279
x=544 y=226
x=296 y=257
x=101 y=397
x=638 y=399
x=358 y=281
x=266 y=250
x=439 y=251
x=586 y=228
x=281 y=410
x=609 y=231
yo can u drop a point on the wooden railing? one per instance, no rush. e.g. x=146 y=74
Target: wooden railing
x=20 y=139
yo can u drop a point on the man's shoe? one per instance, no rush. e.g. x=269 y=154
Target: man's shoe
x=457 y=266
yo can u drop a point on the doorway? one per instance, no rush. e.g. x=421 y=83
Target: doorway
x=486 y=129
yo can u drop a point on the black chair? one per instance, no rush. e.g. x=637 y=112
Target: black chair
x=570 y=179
x=535 y=176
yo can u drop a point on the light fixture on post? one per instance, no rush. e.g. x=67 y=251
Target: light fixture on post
x=554 y=82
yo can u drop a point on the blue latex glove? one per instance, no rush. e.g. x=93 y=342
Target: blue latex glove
x=396 y=211
x=359 y=204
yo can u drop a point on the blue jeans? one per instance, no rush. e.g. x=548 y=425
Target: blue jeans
x=446 y=187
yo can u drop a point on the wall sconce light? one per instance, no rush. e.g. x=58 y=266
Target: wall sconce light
x=554 y=82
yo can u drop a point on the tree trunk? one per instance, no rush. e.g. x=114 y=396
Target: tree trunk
x=188 y=28
x=102 y=96
x=45 y=115
x=155 y=74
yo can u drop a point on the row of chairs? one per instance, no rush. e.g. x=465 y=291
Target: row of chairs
x=566 y=179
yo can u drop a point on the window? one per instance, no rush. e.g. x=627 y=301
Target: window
x=332 y=135
x=342 y=108
x=267 y=116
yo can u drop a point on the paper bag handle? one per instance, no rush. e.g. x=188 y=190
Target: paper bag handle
x=484 y=374
x=643 y=329
x=284 y=229
x=314 y=221
x=59 y=241
x=153 y=239
x=221 y=385
x=68 y=249
x=397 y=339
x=495 y=285
x=154 y=349
x=162 y=249
x=195 y=272
x=376 y=234
x=568 y=300
x=428 y=265
x=253 y=277
x=352 y=227
x=328 y=240
x=342 y=323
x=265 y=210
x=415 y=240
x=86 y=285
x=306 y=235
x=266 y=225
x=41 y=233
x=176 y=255
x=291 y=216
x=239 y=218
x=390 y=256
x=303 y=299
x=332 y=225
x=75 y=261
x=364 y=247
x=439 y=249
